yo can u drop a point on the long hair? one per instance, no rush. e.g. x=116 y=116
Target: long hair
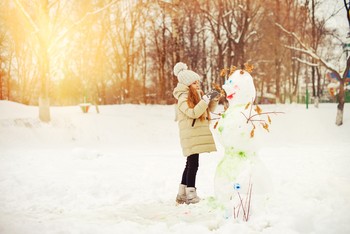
x=194 y=98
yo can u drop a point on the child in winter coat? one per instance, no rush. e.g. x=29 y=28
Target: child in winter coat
x=193 y=115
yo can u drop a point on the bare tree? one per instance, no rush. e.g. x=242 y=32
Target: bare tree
x=47 y=41
x=2 y=64
x=319 y=61
x=109 y=49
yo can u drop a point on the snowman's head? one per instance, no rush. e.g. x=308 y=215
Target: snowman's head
x=239 y=88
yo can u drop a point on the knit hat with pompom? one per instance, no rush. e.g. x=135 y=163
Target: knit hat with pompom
x=185 y=76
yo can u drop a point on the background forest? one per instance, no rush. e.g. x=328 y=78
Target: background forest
x=65 y=52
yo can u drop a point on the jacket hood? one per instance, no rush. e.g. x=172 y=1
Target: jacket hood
x=180 y=89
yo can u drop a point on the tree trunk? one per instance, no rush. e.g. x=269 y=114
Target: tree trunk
x=238 y=59
x=339 y=118
x=318 y=88
x=9 y=78
x=44 y=66
x=1 y=85
x=278 y=57
x=162 y=55
x=313 y=81
x=341 y=101
x=261 y=101
x=316 y=101
x=278 y=77
x=44 y=109
x=341 y=95
x=144 y=69
x=44 y=103
x=177 y=33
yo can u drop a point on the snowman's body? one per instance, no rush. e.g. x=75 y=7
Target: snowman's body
x=239 y=168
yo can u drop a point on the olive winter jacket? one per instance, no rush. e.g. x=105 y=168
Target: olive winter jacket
x=195 y=135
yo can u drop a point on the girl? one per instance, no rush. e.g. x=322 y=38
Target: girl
x=195 y=136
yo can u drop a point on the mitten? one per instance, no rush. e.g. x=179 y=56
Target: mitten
x=210 y=95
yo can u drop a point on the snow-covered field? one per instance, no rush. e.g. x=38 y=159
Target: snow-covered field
x=118 y=172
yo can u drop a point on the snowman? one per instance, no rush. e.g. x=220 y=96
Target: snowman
x=240 y=167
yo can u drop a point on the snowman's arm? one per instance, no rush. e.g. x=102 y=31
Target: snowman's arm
x=192 y=113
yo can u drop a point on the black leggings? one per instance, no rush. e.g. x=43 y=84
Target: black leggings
x=190 y=172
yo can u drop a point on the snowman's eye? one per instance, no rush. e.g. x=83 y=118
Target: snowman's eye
x=230 y=81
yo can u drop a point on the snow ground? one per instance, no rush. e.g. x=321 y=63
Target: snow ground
x=118 y=172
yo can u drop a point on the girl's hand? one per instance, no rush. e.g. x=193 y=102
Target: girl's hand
x=210 y=96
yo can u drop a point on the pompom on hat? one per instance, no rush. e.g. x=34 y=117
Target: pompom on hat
x=185 y=76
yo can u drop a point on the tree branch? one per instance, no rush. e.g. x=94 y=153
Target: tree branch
x=307 y=50
x=305 y=62
x=30 y=20
x=79 y=22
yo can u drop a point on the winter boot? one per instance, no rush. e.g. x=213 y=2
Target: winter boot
x=181 y=195
x=191 y=196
